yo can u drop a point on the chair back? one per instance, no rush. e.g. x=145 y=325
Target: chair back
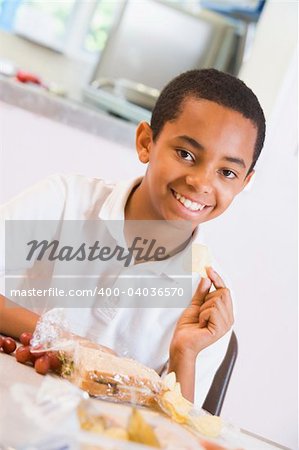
x=216 y=395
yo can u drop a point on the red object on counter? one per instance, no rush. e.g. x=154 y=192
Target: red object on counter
x=25 y=77
x=9 y=345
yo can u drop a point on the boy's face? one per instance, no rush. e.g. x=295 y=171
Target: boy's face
x=198 y=163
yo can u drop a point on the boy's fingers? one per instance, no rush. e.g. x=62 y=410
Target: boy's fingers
x=201 y=291
x=218 y=307
x=204 y=317
x=211 y=319
x=215 y=278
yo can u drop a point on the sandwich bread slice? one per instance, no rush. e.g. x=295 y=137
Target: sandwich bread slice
x=104 y=374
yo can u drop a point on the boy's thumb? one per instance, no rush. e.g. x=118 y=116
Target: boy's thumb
x=202 y=290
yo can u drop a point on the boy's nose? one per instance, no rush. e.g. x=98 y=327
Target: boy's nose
x=201 y=182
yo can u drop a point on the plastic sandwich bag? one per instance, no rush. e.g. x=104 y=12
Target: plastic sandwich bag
x=101 y=373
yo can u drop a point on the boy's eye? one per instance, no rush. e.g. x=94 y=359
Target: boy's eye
x=187 y=156
x=228 y=173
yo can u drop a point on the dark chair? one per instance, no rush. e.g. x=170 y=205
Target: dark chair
x=216 y=395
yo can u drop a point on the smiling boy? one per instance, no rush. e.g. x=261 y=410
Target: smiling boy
x=206 y=134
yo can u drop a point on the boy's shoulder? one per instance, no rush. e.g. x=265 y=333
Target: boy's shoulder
x=74 y=182
x=90 y=197
x=83 y=196
x=70 y=196
x=58 y=195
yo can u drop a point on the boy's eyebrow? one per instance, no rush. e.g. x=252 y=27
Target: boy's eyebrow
x=191 y=141
x=198 y=146
x=238 y=161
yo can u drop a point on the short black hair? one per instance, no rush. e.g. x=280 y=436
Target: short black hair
x=213 y=85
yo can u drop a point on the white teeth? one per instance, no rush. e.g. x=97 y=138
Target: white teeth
x=193 y=206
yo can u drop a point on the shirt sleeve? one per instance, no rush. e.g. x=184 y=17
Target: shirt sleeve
x=43 y=201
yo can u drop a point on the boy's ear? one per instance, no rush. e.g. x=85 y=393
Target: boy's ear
x=143 y=141
x=248 y=178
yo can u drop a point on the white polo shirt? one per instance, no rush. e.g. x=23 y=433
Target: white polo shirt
x=141 y=333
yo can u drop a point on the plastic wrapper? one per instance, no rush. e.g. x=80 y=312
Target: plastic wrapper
x=95 y=368
x=90 y=421
x=101 y=424
x=106 y=375
x=101 y=373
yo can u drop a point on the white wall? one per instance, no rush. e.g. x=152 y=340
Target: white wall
x=256 y=242
x=33 y=147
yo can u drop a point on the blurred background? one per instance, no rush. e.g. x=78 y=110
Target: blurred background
x=75 y=78
x=119 y=45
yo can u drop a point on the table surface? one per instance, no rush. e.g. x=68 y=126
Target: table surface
x=16 y=429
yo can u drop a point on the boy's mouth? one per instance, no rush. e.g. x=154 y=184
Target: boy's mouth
x=189 y=204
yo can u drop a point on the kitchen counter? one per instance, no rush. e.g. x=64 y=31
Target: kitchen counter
x=69 y=112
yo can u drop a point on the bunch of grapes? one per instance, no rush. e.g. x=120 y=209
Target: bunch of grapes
x=43 y=362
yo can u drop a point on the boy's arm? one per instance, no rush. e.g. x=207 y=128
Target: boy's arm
x=205 y=321
x=183 y=364
x=14 y=319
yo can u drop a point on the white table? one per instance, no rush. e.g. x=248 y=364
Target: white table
x=16 y=429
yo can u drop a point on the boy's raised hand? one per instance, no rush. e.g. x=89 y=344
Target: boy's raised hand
x=207 y=319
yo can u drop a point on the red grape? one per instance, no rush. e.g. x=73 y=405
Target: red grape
x=55 y=362
x=9 y=345
x=25 y=338
x=36 y=355
x=32 y=358
x=42 y=365
x=23 y=354
x=1 y=341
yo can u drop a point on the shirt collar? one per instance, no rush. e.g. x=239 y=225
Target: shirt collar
x=113 y=207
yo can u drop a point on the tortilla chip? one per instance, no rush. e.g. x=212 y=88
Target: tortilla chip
x=207 y=425
x=140 y=431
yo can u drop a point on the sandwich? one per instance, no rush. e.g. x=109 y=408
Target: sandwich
x=104 y=374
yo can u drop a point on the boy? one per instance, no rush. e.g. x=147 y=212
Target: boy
x=206 y=134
